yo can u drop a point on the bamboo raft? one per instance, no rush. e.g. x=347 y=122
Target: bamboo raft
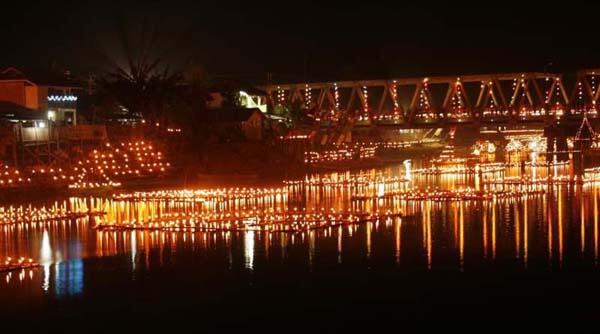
x=291 y=223
x=451 y=195
x=20 y=264
x=530 y=182
x=201 y=195
x=43 y=217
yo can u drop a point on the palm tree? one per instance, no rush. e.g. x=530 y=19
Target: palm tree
x=141 y=73
x=147 y=82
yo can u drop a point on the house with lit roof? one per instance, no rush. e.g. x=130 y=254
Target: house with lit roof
x=52 y=94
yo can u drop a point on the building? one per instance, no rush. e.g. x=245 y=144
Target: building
x=38 y=118
x=247 y=97
x=53 y=94
x=253 y=98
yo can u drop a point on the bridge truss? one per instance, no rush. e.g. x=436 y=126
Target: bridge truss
x=487 y=98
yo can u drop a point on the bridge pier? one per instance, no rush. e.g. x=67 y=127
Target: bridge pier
x=580 y=149
x=576 y=168
x=557 y=148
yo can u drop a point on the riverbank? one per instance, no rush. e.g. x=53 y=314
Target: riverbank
x=223 y=165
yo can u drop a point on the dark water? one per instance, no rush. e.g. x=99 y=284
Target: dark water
x=532 y=258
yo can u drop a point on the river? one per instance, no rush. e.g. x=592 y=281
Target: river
x=532 y=257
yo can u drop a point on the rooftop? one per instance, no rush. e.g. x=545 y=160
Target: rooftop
x=41 y=77
x=12 y=111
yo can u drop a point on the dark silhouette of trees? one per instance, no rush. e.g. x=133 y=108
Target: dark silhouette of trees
x=144 y=79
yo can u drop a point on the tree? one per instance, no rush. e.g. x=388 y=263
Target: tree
x=144 y=65
x=144 y=93
x=294 y=113
x=187 y=109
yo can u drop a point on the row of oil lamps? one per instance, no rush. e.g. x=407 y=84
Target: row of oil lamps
x=124 y=161
x=358 y=150
x=11 y=264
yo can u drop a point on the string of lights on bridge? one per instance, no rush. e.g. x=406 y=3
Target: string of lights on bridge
x=525 y=99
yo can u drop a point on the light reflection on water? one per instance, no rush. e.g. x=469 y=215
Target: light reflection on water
x=249 y=249
x=548 y=230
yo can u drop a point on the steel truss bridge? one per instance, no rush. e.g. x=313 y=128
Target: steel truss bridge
x=436 y=101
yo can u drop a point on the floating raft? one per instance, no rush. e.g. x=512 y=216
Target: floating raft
x=202 y=195
x=450 y=195
x=42 y=216
x=462 y=170
x=291 y=223
x=20 y=264
x=360 y=181
x=528 y=182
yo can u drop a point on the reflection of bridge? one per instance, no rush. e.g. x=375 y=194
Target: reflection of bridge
x=435 y=101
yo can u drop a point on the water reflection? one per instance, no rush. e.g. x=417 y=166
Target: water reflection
x=46 y=259
x=65 y=276
x=504 y=228
x=596 y=226
x=249 y=249
x=555 y=229
x=68 y=279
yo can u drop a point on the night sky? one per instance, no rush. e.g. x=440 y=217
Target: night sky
x=304 y=40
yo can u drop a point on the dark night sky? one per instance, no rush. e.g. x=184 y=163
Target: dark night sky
x=298 y=40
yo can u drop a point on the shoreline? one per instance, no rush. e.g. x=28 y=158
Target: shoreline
x=178 y=179
x=194 y=176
